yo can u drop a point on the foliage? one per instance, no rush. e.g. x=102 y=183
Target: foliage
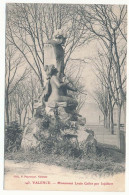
x=67 y=149
x=13 y=137
x=56 y=143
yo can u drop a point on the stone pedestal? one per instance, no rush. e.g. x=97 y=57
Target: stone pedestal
x=56 y=126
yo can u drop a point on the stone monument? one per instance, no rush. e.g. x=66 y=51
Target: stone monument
x=63 y=124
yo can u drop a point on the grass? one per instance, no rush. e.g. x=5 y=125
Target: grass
x=107 y=161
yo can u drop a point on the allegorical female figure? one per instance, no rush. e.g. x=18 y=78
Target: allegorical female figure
x=56 y=90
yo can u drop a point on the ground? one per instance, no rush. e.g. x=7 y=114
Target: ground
x=108 y=160
x=103 y=135
x=23 y=175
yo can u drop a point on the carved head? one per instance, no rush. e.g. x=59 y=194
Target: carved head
x=54 y=71
x=60 y=36
x=48 y=69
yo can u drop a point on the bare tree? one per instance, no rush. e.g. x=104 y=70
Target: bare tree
x=106 y=88
x=34 y=91
x=101 y=97
x=29 y=26
x=13 y=61
x=74 y=72
x=23 y=98
x=24 y=33
x=111 y=29
x=109 y=26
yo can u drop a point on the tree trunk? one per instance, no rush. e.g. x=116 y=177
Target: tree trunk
x=25 y=117
x=118 y=124
x=105 y=121
x=111 y=122
x=111 y=126
x=11 y=112
x=32 y=104
x=7 y=108
x=7 y=113
x=124 y=111
x=19 y=118
x=15 y=114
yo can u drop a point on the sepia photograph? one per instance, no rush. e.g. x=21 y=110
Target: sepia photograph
x=65 y=97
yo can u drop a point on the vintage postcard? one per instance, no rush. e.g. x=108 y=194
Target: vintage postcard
x=65 y=97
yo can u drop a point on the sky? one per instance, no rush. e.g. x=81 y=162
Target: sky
x=87 y=52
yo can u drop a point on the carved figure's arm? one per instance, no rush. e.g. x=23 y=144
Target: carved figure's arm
x=71 y=89
x=58 y=83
